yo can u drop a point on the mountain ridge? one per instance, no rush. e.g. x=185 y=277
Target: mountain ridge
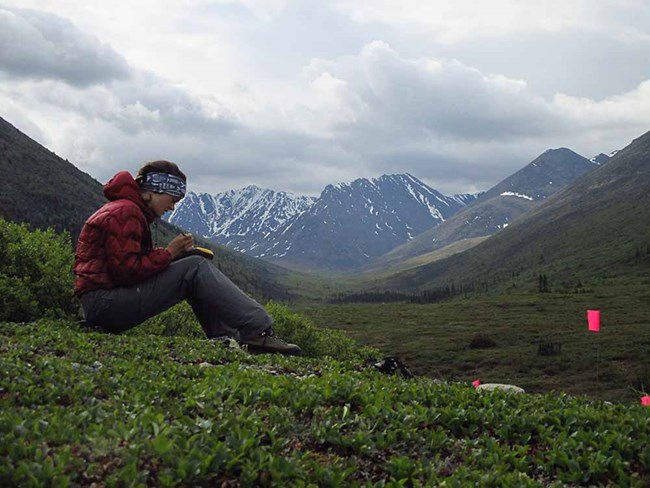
x=238 y=218
x=498 y=207
x=591 y=229
x=346 y=225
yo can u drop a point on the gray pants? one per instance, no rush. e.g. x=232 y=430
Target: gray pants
x=221 y=307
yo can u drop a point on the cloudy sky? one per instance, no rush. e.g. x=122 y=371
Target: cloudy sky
x=293 y=95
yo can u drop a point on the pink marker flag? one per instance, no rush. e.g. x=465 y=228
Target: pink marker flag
x=593 y=317
x=476 y=383
x=645 y=401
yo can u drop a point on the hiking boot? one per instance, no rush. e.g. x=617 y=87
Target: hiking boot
x=267 y=341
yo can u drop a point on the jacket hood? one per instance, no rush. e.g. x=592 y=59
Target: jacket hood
x=122 y=186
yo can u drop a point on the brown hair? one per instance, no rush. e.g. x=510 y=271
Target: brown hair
x=160 y=167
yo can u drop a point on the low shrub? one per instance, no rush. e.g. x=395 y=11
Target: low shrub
x=289 y=326
x=36 y=277
x=315 y=341
x=177 y=321
x=88 y=409
x=482 y=341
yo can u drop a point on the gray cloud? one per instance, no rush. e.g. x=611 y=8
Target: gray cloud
x=441 y=120
x=592 y=49
x=579 y=63
x=378 y=111
x=38 y=45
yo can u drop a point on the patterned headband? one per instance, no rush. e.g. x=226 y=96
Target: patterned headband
x=164 y=183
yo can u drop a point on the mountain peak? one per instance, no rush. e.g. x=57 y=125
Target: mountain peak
x=544 y=176
x=557 y=150
x=237 y=217
x=254 y=188
x=383 y=180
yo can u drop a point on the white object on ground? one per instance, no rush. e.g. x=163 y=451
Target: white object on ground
x=500 y=386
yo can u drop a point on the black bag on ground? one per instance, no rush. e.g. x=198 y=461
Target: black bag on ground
x=390 y=365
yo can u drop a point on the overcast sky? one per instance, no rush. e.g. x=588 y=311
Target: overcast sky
x=293 y=95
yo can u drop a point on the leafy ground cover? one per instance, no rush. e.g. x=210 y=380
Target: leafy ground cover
x=83 y=408
x=436 y=340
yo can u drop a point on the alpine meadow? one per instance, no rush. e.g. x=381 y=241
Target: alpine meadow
x=77 y=410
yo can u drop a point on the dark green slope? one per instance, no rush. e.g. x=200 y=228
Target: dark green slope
x=42 y=190
x=39 y=188
x=595 y=229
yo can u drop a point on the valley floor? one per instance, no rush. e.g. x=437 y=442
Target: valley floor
x=436 y=339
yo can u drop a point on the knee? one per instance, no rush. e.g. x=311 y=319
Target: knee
x=195 y=260
x=189 y=267
x=189 y=262
x=202 y=265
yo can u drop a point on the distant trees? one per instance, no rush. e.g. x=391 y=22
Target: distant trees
x=427 y=296
x=642 y=252
x=439 y=294
x=372 y=297
x=543 y=284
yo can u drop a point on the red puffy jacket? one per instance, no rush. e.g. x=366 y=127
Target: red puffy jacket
x=114 y=247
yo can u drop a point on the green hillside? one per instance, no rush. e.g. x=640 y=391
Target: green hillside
x=592 y=231
x=391 y=263
x=87 y=409
x=39 y=188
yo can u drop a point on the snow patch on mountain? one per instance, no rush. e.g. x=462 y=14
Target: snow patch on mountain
x=514 y=194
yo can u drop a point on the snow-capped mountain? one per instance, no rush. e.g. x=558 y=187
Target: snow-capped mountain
x=239 y=219
x=349 y=224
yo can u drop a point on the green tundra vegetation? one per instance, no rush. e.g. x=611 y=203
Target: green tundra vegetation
x=162 y=406
x=539 y=341
x=35 y=273
x=81 y=408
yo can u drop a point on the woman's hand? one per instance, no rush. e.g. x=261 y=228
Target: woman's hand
x=180 y=244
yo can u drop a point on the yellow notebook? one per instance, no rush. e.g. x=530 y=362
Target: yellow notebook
x=197 y=251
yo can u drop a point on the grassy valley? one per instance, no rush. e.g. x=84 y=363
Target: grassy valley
x=496 y=338
x=385 y=268
x=162 y=406
x=587 y=247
